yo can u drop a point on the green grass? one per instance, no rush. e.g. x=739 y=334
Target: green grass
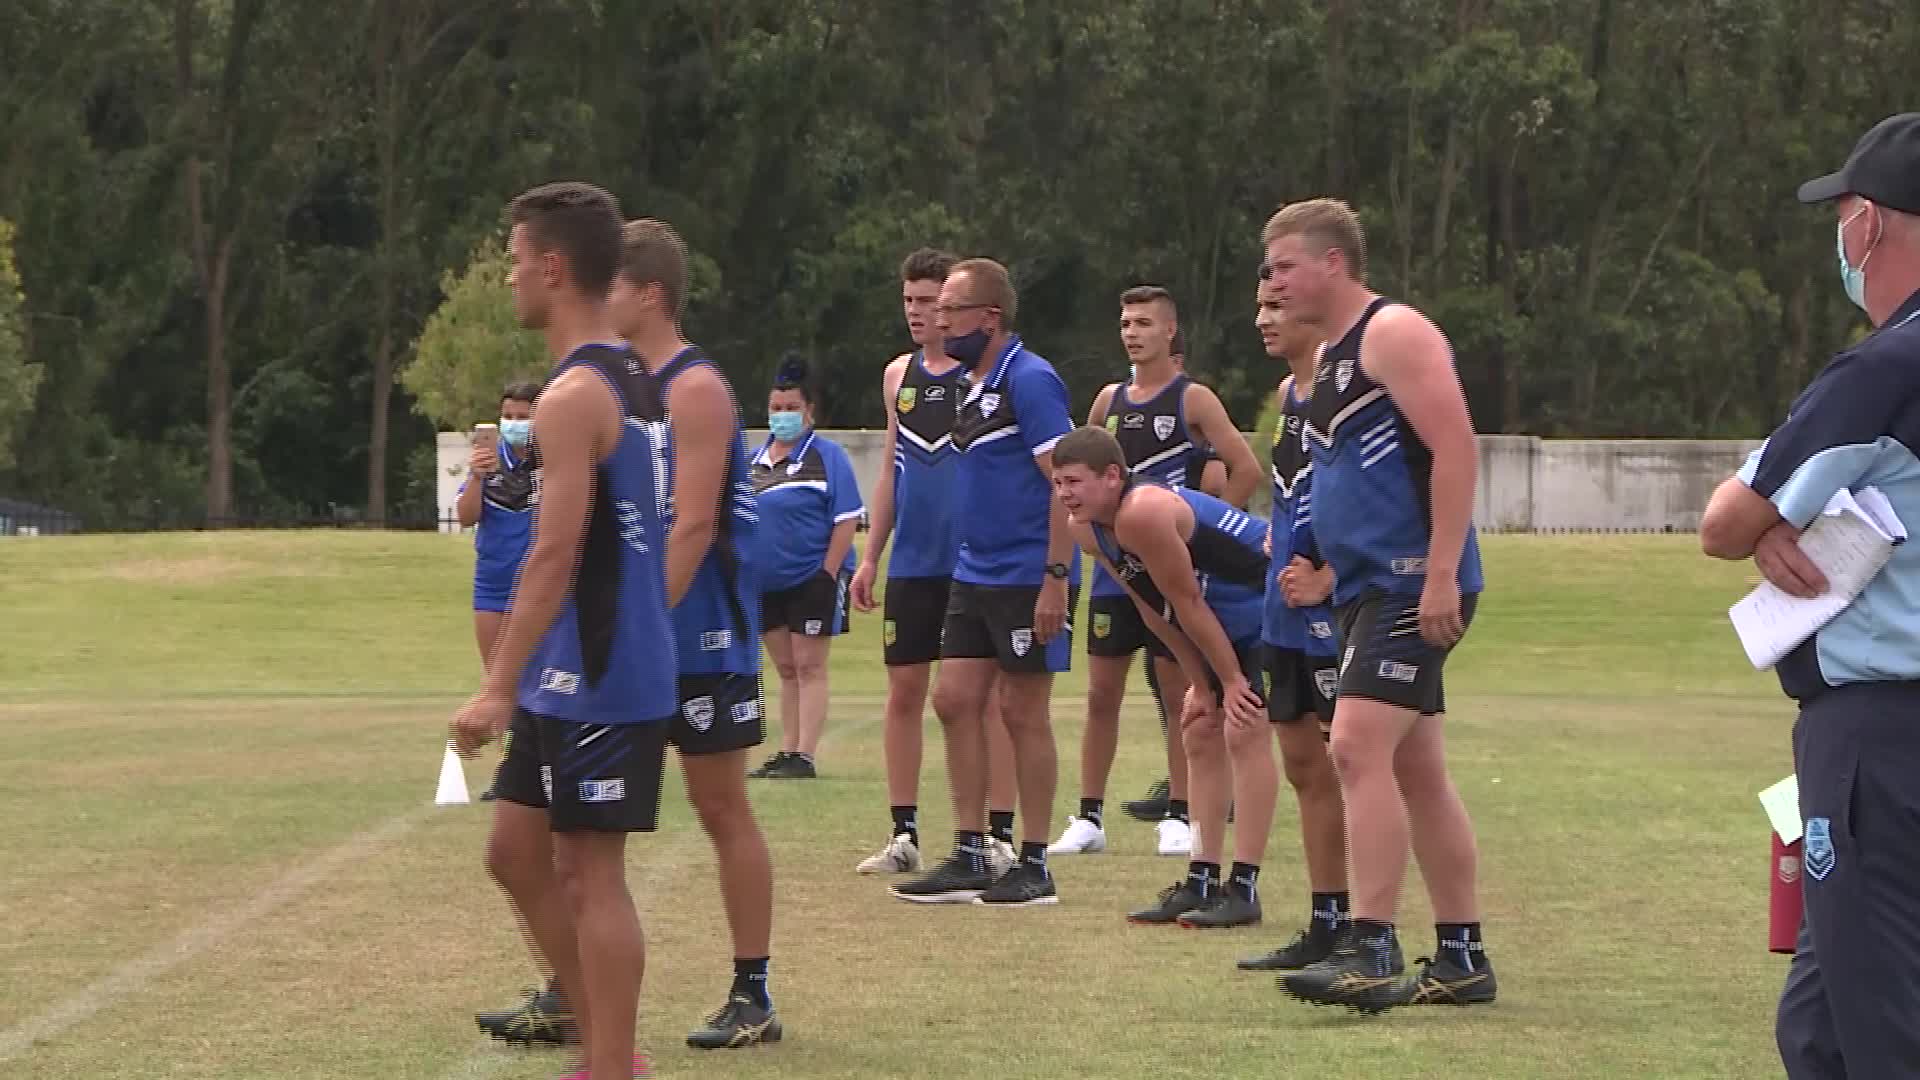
x=190 y=718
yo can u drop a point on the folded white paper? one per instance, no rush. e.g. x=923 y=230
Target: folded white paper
x=1782 y=804
x=1850 y=541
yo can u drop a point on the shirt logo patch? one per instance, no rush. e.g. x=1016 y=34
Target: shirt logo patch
x=1343 y=373
x=1102 y=624
x=746 y=712
x=1133 y=421
x=603 y=791
x=909 y=397
x=988 y=403
x=1409 y=567
x=1162 y=427
x=1021 y=640
x=1328 y=682
x=698 y=712
x=555 y=681
x=716 y=640
x=1113 y=424
x=1820 y=856
x=1399 y=672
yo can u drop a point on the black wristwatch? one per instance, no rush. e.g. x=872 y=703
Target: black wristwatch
x=1058 y=569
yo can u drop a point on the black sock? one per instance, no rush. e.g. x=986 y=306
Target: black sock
x=1000 y=823
x=1177 y=811
x=906 y=820
x=1331 y=912
x=1094 y=810
x=1460 y=943
x=1203 y=878
x=750 y=978
x=1034 y=853
x=973 y=846
x=1244 y=880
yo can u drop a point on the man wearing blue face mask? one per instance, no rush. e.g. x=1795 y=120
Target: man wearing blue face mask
x=1853 y=991
x=497 y=496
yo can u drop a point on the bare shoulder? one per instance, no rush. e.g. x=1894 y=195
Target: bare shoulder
x=895 y=374
x=1398 y=329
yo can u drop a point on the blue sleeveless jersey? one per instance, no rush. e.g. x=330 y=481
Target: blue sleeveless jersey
x=716 y=627
x=1308 y=629
x=1156 y=444
x=1373 y=517
x=1227 y=549
x=506 y=522
x=609 y=656
x=925 y=480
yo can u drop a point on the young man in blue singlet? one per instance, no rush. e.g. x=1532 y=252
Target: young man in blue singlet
x=913 y=507
x=715 y=599
x=585 y=670
x=1193 y=567
x=1394 y=464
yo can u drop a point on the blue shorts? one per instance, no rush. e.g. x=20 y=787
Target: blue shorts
x=491 y=596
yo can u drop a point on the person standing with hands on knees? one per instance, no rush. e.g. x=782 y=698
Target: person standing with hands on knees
x=809 y=505
x=1394 y=463
x=1851 y=997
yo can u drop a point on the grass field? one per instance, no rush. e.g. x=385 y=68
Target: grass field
x=221 y=860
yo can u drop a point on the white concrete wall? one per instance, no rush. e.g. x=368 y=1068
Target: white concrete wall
x=1526 y=484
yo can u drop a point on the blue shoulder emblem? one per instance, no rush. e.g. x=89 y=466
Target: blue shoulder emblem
x=1819 y=848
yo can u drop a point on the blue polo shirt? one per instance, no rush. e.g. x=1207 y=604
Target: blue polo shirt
x=800 y=499
x=1007 y=419
x=505 y=529
x=1856 y=425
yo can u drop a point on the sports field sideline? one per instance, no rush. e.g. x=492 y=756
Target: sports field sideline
x=221 y=859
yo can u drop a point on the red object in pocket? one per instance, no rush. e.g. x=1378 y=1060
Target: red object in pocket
x=1784 y=903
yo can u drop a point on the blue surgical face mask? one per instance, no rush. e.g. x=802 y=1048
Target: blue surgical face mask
x=516 y=432
x=1853 y=278
x=786 y=426
x=967 y=349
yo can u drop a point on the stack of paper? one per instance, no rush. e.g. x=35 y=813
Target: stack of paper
x=1850 y=541
x=1782 y=804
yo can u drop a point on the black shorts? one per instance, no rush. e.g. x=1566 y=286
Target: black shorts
x=718 y=714
x=587 y=777
x=995 y=622
x=1384 y=658
x=1118 y=629
x=817 y=607
x=1251 y=655
x=1302 y=684
x=915 y=610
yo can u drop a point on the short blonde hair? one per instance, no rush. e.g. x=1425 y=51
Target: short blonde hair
x=990 y=284
x=1325 y=223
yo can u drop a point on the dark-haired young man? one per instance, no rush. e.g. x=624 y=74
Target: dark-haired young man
x=585 y=669
x=1160 y=417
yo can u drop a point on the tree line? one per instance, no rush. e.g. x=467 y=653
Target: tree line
x=232 y=220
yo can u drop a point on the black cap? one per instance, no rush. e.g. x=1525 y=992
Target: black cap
x=1884 y=168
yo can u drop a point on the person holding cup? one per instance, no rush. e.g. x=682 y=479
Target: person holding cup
x=501 y=504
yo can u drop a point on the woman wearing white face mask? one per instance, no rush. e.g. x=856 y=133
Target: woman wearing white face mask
x=500 y=503
x=809 y=506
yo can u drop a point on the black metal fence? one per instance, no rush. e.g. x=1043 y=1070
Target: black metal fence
x=59 y=523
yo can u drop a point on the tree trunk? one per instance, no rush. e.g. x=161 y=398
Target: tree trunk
x=389 y=84
x=1335 y=76
x=219 y=398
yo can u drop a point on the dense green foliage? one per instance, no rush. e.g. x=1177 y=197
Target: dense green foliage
x=235 y=217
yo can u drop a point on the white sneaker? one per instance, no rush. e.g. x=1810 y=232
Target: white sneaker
x=1001 y=857
x=1081 y=837
x=900 y=856
x=1176 y=837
